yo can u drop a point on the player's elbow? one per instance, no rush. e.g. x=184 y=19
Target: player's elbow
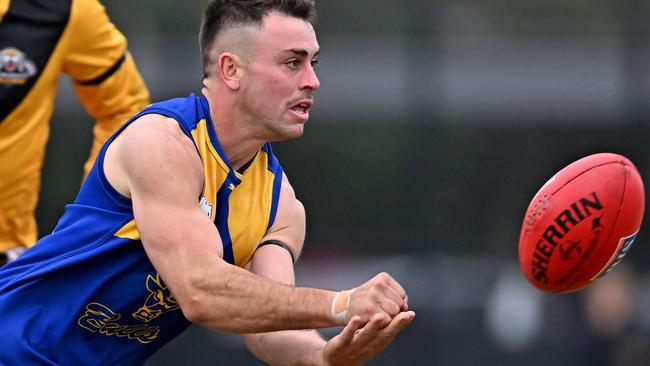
x=193 y=311
x=203 y=307
x=191 y=298
x=196 y=307
x=200 y=314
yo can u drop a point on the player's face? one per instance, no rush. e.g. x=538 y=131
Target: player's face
x=280 y=78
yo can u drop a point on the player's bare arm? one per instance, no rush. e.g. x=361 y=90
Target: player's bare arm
x=382 y=294
x=274 y=260
x=357 y=342
x=152 y=163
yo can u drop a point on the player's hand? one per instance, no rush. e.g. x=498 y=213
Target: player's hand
x=358 y=343
x=381 y=294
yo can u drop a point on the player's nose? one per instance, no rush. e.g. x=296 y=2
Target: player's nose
x=310 y=79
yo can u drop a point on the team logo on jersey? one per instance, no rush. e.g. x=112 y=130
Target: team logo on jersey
x=160 y=300
x=100 y=318
x=15 y=67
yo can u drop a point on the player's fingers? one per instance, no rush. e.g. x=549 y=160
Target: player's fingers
x=394 y=295
x=397 y=292
x=347 y=334
x=389 y=300
x=389 y=306
x=370 y=330
x=395 y=285
x=398 y=323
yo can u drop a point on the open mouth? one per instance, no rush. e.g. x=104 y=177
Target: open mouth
x=302 y=108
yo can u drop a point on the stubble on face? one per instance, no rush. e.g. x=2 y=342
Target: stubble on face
x=269 y=89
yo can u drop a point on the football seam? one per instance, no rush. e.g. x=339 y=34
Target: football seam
x=587 y=170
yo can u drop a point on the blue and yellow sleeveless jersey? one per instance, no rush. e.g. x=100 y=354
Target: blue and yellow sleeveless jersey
x=88 y=295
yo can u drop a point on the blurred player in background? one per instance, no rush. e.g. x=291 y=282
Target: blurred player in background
x=39 y=41
x=187 y=216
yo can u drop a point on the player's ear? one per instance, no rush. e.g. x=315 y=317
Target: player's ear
x=230 y=69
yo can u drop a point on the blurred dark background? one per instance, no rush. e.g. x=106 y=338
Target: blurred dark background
x=435 y=124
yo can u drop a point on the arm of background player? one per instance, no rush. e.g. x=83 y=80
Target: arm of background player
x=103 y=72
x=157 y=166
x=306 y=347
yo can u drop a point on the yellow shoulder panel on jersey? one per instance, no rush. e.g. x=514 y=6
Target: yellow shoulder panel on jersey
x=128 y=231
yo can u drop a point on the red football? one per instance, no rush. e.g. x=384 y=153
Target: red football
x=581 y=222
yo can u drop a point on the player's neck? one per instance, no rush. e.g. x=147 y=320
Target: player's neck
x=239 y=152
x=234 y=132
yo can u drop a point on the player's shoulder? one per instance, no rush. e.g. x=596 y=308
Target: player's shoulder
x=154 y=142
x=153 y=148
x=286 y=188
x=89 y=20
x=289 y=204
x=155 y=131
x=188 y=111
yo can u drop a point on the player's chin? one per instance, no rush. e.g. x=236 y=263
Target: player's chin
x=292 y=131
x=293 y=136
x=286 y=134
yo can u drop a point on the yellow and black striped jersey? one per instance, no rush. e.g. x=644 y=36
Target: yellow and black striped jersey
x=40 y=40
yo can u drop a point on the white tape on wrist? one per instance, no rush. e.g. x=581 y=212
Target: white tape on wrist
x=339 y=307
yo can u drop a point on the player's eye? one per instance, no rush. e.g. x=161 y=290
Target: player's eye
x=293 y=64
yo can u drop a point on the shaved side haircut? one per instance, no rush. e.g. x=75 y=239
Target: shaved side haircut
x=221 y=15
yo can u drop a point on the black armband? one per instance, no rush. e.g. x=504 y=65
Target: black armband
x=106 y=74
x=280 y=244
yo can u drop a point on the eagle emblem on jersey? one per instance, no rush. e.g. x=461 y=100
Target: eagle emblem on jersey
x=100 y=318
x=15 y=67
x=160 y=300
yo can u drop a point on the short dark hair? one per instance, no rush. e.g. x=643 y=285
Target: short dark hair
x=220 y=14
